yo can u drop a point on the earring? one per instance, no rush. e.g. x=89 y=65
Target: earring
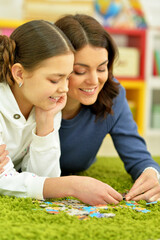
x=20 y=84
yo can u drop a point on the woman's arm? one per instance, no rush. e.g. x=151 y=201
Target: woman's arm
x=130 y=146
x=146 y=187
x=133 y=151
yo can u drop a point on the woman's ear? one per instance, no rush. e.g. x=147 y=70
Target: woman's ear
x=17 y=73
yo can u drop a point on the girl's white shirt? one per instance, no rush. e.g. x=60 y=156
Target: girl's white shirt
x=37 y=157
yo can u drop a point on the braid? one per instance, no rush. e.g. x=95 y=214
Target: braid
x=7 y=56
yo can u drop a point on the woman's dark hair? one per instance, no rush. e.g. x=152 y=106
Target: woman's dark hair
x=29 y=45
x=82 y=30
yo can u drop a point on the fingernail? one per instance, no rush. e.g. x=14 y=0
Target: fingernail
x=128 y=198
x=151 y=200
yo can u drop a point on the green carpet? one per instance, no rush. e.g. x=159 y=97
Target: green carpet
x=19 y=220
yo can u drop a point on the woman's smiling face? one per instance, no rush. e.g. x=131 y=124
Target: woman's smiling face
x=89 y=75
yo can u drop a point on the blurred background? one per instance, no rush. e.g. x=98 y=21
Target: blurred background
x=135 y=26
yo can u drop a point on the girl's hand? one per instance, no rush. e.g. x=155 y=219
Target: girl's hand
x=45 y=119
x=86 y=189
x=146 y=187
x=3 y=157
x=94 y=192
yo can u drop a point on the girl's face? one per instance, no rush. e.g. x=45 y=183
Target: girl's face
x=48 y=84
x=90 y=72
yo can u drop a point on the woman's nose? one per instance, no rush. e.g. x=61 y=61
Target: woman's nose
x=93 y=78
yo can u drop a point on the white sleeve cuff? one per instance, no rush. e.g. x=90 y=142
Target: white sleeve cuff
x=35 y=187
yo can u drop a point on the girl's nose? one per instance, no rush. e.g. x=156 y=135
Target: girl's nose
x=63 y=86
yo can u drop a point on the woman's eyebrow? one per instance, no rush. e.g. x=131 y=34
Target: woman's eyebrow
x=106 y=61
x=85 y=65
x=81 y=64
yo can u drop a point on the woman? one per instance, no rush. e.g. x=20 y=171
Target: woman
x=97 y=106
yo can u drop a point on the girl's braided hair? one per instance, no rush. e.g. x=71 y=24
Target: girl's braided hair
x=7 y=54
x=29 y=45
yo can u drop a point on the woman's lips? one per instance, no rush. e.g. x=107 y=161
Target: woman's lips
x=88 y=91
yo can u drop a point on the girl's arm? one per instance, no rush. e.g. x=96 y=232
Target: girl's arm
x=44 y=152
x=87 y=189
x=25 y=184
x=3 y=157
x=13 y=183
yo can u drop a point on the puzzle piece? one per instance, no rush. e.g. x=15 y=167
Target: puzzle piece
x=149 y=203
x=83 y=212
x=75 y=208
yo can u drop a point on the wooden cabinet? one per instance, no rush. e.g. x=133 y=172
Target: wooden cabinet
x=130 y=70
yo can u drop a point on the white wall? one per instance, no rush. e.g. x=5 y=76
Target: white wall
x=11 y=9
x=151 y=9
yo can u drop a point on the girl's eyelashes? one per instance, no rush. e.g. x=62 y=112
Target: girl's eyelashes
x=54 y=82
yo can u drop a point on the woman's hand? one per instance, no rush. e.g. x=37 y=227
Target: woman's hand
x=146 y=187
x=45 y=118
x=3 y=157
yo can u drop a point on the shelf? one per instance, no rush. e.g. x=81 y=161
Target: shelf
x=131 y=69
x=139 y=84
x=135 y=92
x=10 y=24
x=154 y=82
x=132 y=39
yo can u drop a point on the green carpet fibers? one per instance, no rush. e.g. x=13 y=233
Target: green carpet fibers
x=19 y=220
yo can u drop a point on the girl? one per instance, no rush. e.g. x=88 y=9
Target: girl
x=35 y=64
x=97 y=106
